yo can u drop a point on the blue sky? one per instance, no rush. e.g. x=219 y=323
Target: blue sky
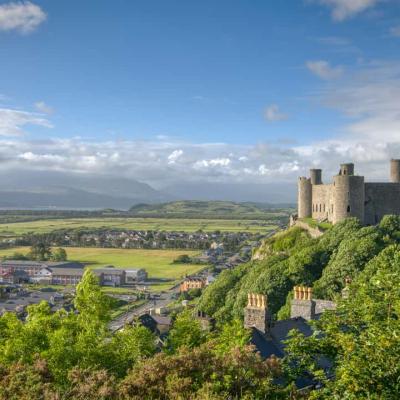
x=208 y=90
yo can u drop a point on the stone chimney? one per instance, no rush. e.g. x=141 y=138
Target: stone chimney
x=256 y=313
x=302 y=304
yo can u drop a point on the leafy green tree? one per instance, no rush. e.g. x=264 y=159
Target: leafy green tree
x=131 y=345
x=59 y=254
x=232 y=335
x=92 y=304
x=183 y=259
x=40 y=250
x=186 y=331
x=361 y=339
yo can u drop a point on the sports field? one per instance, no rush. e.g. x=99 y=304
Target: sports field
x=156 y=224
x=158 y=263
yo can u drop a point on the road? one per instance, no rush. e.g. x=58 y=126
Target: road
x=129 y=316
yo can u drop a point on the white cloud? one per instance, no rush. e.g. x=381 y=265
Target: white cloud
x=173 y=157
x=23 y=17
x=272 y=113
x=324 y=70
x=395 y=31
x=13 y=121
x=344 y=9
x=41 y=106
x=367 y=100
x=217 y=162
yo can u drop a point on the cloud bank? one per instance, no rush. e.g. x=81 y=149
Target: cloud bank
x=23 y=17
x=367 y=99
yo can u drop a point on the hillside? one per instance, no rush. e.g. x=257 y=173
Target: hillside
x=292 y=258
x=353 y=351
x=212 y=209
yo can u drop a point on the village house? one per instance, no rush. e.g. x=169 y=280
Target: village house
x=192 y=283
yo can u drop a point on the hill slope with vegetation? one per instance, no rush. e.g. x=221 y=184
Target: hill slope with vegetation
x=211 y=209
x=362 y=338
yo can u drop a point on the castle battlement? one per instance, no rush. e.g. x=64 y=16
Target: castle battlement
x=349 y=196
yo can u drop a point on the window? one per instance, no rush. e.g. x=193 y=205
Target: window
x=348 y=209
x=320 y=208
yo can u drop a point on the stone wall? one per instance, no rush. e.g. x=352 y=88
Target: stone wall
x=321 y=201
x=322 y=305
x=381 y=199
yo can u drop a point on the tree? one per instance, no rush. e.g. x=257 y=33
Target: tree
x=200 y=373
x=92 y=304
x=40 y=250
x=186 y=332
x=232 y=335
x=183 y=259
x=361 y=339
x=130 y=345
x=59 y=254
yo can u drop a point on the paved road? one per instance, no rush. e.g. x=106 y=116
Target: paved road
x=129 y=316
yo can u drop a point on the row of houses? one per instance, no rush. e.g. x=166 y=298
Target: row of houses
x=18 y=299
x=65 y=273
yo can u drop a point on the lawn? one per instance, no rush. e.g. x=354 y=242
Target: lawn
x=315 y=224
x=158 y=263
x=158 y=224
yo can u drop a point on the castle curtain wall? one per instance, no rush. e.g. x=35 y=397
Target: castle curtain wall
x=321 y=201
x=381 y=199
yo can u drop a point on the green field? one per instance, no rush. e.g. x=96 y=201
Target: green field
x=159 y=224
x=158 y=263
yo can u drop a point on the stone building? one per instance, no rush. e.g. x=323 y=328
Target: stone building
x=269 y=336
x=192 y=283
x=349 y=196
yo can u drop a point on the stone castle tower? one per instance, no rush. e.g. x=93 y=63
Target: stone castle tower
x=349 y=196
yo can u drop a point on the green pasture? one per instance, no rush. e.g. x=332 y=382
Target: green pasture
x=156 y=224
x=158 y=263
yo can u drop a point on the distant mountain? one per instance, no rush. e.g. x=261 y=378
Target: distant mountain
x=260 y=193
x=27 y=189
x=50 y=189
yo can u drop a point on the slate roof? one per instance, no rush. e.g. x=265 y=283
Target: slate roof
x=161 y=320
x=67 y=271
x=51 y=264
x=272 y=344
x=109 y=271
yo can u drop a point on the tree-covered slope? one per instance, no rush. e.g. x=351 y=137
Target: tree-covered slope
x=292 y=258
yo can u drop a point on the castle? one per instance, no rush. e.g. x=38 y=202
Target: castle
x=349 y=196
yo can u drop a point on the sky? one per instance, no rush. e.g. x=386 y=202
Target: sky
x=171 y=91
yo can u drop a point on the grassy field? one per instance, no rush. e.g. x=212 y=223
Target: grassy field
x=157 y=263
x=159 y=224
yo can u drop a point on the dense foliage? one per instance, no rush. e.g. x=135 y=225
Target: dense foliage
x=359 y=343
x=73 y=355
